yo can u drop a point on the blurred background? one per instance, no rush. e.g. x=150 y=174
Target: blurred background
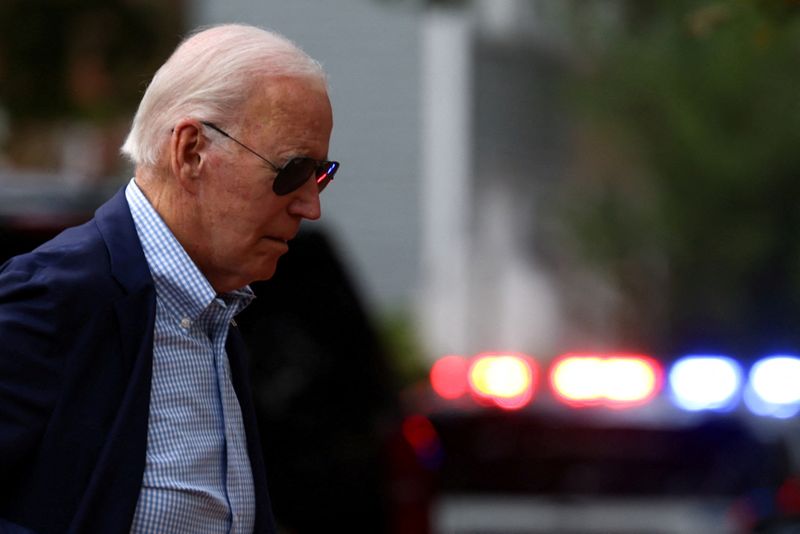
x=543 y=206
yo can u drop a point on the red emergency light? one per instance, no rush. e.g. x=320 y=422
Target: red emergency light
x=609 y=380
x=449 y=377
x=505 y=380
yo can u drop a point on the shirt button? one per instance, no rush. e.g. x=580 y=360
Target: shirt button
x=186 y=323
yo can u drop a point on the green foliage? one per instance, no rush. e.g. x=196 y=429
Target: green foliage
x=707 y=94
x=403 y=347
x=80 y=58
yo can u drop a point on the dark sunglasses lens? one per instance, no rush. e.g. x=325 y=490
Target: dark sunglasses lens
x=293 y=175
x=299 y=170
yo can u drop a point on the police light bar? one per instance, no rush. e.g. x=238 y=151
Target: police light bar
x=696 y=382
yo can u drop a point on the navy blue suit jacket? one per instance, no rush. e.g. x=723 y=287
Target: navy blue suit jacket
x=76 y=350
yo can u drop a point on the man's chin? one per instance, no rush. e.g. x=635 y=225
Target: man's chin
x=266 y=271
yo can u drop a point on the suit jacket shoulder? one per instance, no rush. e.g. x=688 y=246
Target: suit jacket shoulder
x=76 y=329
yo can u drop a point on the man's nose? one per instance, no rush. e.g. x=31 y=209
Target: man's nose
x=306 y=202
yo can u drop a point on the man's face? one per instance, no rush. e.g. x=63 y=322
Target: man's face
x=244 y=225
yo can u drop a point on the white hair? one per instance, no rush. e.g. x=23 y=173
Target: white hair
x=209 y=77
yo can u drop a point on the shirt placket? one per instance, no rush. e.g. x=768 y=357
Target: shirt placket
x=239 y=480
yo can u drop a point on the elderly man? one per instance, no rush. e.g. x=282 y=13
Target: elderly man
x=124 y=400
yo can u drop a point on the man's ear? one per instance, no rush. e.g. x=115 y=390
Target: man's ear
x=187 y=151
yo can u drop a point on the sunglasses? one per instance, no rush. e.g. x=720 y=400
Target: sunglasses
x=295 y=173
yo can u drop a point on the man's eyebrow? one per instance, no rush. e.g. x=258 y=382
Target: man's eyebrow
x=284 y=160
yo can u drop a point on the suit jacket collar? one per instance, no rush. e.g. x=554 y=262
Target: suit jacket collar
x=128 y=264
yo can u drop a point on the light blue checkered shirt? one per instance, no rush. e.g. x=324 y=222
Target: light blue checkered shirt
x=197 y=477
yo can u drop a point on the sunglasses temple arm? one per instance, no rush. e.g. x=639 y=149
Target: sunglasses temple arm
x=244 y=146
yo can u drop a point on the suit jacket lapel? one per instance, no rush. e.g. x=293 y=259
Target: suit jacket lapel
x=240 y=376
